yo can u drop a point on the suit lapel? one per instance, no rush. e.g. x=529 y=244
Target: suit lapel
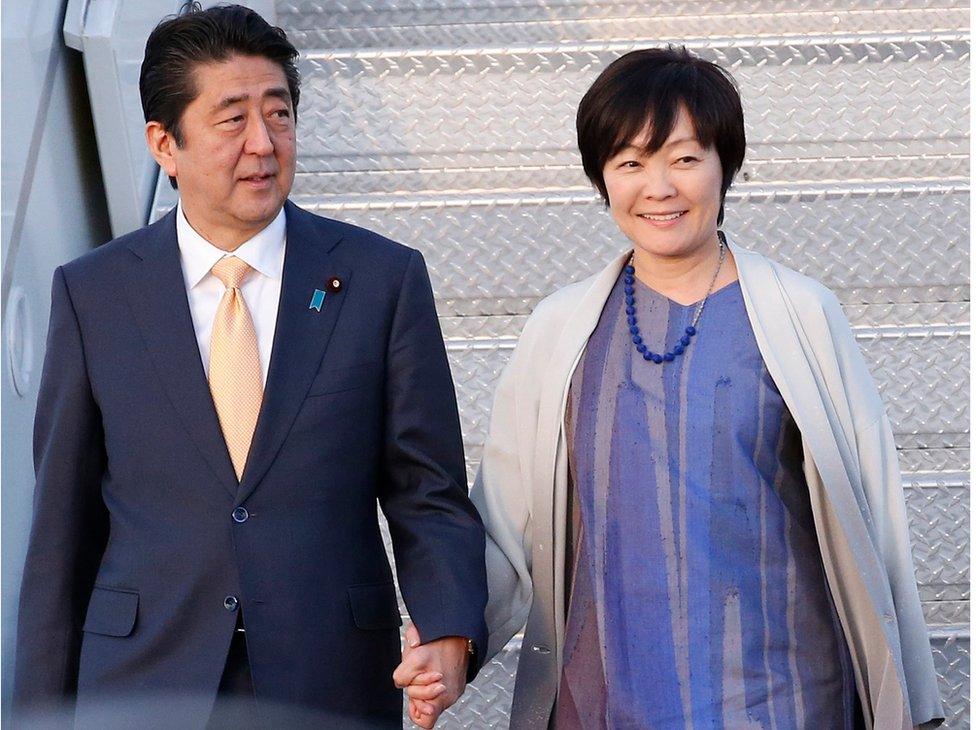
x=301 y=336
x=157 y=296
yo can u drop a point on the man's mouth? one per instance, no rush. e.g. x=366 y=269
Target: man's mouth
x=258 y=178
x=662 y=217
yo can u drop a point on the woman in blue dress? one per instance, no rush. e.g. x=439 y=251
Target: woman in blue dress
x=689 y=485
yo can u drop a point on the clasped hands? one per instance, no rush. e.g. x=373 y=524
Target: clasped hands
x=432 y=674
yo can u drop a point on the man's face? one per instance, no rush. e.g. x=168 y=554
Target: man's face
x=237 y=162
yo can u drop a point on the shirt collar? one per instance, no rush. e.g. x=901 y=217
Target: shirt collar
x=263 y=252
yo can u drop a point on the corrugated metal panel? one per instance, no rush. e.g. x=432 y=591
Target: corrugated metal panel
x=448 y=125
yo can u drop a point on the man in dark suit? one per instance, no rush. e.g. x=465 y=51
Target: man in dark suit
x=226 y=395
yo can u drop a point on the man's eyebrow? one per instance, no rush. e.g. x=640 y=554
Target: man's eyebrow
x=279 y=92
x=276 y=92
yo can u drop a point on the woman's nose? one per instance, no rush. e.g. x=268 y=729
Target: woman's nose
x=657 y=184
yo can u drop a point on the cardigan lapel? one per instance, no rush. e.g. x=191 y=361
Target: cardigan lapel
x=301 y=335
x=565 y=354
x=850 y=558
x=571 y=342
x=779 y=330
x=157 y=296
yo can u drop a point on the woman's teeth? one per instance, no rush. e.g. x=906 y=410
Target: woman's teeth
x=668 y=217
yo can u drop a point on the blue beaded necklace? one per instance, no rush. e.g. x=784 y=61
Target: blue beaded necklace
x=690 y=331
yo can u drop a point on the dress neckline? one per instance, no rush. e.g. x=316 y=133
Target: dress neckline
x=649 y=290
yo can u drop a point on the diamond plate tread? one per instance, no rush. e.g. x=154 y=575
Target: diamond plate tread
x=539 y=168
x=373 y=24
x=922 y=381
x=933 y=314
x=323 y=181
x=459 y=330
x=934 y=460
x=945 y=612
x=950 y=650
x=828 y=168
x=310 y=13
x=938 y=520
x=493 y=100
x=441 y=28
x=500 y=255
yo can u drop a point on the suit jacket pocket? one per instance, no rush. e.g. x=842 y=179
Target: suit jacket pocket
x=336 y=380
x=111 y=611
x=374 y=606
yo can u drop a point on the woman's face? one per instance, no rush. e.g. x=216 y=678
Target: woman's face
x=667 y=203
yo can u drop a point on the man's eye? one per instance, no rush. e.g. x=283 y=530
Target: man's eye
x=688 y=159
x=234 y=120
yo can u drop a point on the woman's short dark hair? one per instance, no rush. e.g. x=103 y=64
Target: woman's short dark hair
x=650 y=86
x=195 y=36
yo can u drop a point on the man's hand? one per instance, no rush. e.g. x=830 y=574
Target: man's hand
x=433 y=675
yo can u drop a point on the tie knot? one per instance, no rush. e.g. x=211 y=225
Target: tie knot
x=231 y=271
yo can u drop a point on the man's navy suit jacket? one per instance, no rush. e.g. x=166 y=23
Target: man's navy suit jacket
x=135 y=551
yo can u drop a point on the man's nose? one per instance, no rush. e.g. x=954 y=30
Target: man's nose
x=258 y=140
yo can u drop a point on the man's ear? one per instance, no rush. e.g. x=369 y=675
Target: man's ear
x=162 y=146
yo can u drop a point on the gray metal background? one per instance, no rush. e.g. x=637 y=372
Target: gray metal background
x=449 y=125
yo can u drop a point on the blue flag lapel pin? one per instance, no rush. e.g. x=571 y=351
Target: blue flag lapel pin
x=318 y=298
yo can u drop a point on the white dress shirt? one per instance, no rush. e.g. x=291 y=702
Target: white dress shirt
x=265 y=253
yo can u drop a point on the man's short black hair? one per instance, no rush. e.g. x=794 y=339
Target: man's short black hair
x=649 y=87
x=195 y=36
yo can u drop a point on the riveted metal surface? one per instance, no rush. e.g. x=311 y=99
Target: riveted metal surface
x=449 y=125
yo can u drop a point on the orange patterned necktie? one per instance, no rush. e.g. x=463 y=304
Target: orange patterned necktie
x=235 y=365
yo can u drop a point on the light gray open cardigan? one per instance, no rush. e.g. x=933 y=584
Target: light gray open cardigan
x=850 y=464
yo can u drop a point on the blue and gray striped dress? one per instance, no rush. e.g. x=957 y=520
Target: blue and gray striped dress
x=698 y=595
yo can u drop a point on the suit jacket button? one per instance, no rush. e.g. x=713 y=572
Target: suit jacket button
x=230 y=603
x=240 y=514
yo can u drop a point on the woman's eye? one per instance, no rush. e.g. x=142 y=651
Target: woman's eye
x=630 y=163
x=688 y=159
